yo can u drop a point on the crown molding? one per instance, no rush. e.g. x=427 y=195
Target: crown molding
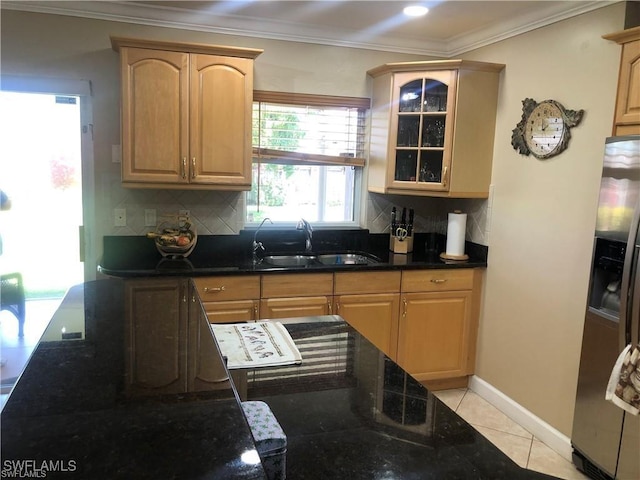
x=245 y=26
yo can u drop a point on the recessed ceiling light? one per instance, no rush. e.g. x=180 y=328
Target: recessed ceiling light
x=415 y=10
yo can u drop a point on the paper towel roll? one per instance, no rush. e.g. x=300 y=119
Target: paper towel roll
x=456 y=230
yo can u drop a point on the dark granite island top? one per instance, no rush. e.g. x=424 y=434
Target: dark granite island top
x=348 y=411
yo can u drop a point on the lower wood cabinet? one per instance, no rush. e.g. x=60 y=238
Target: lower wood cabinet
x=168 y=345
x=438 y=323
x=425 y=320
x=228 y=299
x=296 y=295
x=369 y=301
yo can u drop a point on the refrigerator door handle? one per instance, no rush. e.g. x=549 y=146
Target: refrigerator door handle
x=634 y=323
x=629 y=285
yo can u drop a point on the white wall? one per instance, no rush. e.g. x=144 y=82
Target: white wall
x=543 y=213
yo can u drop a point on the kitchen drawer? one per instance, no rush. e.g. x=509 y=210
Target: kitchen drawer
x=216 y=289
x=437 y=280
x=297 y=285
x=353 y=283
x=232 y=311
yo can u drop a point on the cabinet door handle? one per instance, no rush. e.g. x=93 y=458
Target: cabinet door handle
x=214 y=289
x=337 y=307
x=193 y=167
x=438 y=280
x=444 y=176
x=184 y=167
x=404 y=308
x=329 y=307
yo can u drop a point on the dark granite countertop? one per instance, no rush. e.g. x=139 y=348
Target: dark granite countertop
x=348 y=411
x=129 y=256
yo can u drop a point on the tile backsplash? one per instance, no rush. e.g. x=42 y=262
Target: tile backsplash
x=221 y=213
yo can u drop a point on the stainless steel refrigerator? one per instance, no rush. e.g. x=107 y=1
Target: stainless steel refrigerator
x=606 y=439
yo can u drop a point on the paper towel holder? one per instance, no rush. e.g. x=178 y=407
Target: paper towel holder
x=448 y=256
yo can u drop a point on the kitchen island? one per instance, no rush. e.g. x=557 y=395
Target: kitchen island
x=347 y=409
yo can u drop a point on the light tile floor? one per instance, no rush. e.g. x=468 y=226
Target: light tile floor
x=516 y=442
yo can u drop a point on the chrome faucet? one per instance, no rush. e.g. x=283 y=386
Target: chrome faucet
x=258 y=245
x=308 y=232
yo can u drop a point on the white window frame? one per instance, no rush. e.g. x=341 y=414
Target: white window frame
x=358 y=163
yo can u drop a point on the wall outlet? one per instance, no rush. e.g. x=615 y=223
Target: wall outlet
x=149 y=217
x=120 y=217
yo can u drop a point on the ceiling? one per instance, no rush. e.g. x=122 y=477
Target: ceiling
x=450 y=28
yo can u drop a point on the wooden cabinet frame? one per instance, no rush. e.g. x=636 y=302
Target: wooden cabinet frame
x=627 y=113
x=469 y=133
x=186 y=114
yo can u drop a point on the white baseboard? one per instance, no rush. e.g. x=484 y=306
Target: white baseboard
x=544 y=432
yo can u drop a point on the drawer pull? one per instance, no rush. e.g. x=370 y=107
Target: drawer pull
x=438 y=280
x=214 y=289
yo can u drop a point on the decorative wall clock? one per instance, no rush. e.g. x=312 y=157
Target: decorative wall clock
x=543 y=130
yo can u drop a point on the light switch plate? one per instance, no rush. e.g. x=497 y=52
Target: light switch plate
x=116 y=153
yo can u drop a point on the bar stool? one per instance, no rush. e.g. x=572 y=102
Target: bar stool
x=269 y=438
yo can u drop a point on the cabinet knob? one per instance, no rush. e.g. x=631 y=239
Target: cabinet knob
x=214 y=289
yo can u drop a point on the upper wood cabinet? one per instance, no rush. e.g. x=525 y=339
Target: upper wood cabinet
x=186 y=114
x=433 y=127
x=627 y=113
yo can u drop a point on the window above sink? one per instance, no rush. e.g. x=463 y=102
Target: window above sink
x=308 y=154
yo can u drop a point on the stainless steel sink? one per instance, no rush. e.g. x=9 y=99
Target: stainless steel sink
x=346 y=259
x=303 y=260
x=290 y=260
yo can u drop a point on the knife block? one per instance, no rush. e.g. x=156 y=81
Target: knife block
x=404 y=246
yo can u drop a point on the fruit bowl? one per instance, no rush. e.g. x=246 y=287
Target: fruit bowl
x=175 y=239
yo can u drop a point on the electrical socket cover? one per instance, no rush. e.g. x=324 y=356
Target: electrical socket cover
x=120 y=217
x=149 y=217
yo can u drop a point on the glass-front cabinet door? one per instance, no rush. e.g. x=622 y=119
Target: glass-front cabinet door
x=421 y=130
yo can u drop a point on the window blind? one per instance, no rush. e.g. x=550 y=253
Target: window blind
x=298 y=129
